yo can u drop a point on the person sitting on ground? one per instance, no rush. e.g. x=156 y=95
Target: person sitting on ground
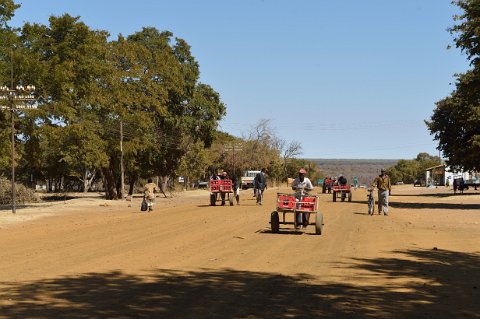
x=149 y=193
x=301 y=185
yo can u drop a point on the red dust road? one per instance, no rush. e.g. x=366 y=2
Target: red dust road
x=87 y=259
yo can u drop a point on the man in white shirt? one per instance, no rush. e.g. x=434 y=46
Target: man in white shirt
x=301 y=185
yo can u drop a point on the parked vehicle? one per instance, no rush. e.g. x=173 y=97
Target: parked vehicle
x=417 y=182
x=201 y=184
x=247 y=179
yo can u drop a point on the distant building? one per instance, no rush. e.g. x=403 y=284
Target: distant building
x=438 y=175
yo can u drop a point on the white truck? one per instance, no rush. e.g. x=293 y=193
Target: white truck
x=247 y=179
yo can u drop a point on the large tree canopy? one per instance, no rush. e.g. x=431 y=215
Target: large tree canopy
x=455 y=122
x=132 y=105
x=128 y=108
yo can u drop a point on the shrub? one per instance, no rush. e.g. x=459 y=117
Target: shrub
x=23 y=194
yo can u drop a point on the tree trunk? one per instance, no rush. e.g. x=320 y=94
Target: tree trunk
x=163 y=184
x=122 y=169
x=85 y=181
x=90 y=181
x=133 y=179
x=109 y=183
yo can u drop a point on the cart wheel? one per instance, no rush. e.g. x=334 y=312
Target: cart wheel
x=334 y=196
x=213 y=199
x=318 y=223
x=230 y=199
x=275 y=222
x=350 y=196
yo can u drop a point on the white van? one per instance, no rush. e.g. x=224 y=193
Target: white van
x=247 y=179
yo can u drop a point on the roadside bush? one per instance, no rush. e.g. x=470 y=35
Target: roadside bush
x=23 y=194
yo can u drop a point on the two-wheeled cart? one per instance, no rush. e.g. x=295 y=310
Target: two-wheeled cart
x=342 y=192
x=294 y=204
x=221 y=190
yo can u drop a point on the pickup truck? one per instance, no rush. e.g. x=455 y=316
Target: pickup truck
x=247 y=179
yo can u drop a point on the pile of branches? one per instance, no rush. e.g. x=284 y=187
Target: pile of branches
x=23 y=194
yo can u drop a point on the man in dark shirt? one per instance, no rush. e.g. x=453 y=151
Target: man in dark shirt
x=260 y=183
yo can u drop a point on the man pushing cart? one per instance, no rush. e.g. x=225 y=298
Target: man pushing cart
x=301 y=204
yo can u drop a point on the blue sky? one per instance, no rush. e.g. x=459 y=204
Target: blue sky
x=347 y=79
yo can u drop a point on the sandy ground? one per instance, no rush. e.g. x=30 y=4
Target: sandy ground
x=89 y=258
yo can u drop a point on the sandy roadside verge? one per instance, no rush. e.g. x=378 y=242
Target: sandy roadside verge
x=80 y=202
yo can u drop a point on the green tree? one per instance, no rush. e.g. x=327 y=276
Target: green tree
x=66 y=60
x=455 y=122
x=408 y=171
x=8 y=41
x=183 y=111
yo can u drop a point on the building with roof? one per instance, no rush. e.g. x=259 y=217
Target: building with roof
x=440 y=174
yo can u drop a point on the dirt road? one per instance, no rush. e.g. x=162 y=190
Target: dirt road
x=189 y=260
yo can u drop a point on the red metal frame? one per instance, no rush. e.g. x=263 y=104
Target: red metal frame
x=221 y=186
x=340 y=188
x=288 y=203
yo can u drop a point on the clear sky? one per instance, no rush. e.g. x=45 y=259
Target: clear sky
x=346 y=78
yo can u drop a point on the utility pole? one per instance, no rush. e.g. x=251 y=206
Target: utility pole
x=16 y=99
x=122 y=168
x=232 y=147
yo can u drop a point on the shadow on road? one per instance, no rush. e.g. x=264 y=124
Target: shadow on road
x=286 y=231
x=420 y=205
x=420 y=284
x=442 y=195
x=434 y=206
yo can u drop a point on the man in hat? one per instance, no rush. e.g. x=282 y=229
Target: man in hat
x=301 y=185
x=384 y=186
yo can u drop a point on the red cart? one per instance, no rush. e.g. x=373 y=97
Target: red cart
x=222 y=187
x=288 y=203
x=342 y=192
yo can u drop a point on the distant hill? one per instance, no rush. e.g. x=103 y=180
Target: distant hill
x=364 y=169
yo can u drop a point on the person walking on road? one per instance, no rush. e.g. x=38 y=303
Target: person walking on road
x=301 y=185
x=213 y=196
x=384 y=186
x=260 y=183
x=342 y=181
x=236 y=188
x=224 y=176
x=149 y=192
